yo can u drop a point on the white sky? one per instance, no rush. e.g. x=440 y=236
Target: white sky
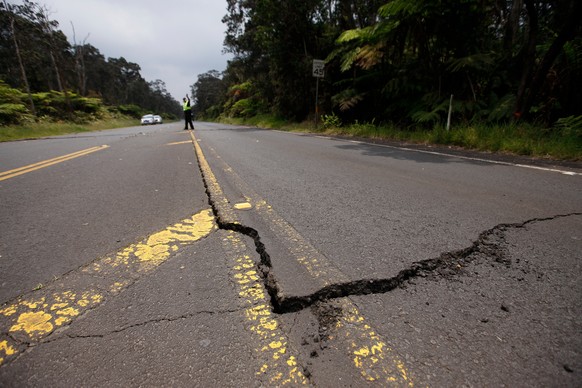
x=171 y=40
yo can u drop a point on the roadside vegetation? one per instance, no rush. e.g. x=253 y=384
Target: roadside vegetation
x=39 y=130
x=563 y=141
x=506 y=74
x=59 y=113
x=49 y=86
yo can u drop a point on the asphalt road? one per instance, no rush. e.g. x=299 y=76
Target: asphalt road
x=266 y=258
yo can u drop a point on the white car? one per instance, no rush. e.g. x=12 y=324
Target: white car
x=147 y=119
x=158 y=119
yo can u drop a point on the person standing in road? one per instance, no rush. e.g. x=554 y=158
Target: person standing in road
x=187 y=113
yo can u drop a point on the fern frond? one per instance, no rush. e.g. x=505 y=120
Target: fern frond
x=347 y=99
x=349 y=58
x=370 y=56
x=399 y=8
x=477 y=62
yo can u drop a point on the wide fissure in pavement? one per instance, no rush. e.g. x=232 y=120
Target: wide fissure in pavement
x=447 y=264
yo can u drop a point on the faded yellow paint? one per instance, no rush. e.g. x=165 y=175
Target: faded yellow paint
x=218 y=196
x=36 y=318
x=8 y=311
x=58 y=306
x=259 y=317
x=371 y=355
x=33 y=323
x=243 y=206
x=31 y=319
x=69 y=312
x=180 y=142
x=280 y=367
x=5 y=351
x=118 y=286
x=157 y=248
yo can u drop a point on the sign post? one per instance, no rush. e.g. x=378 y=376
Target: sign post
x=318 y=72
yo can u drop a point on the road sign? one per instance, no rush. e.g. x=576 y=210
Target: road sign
x=318 y=68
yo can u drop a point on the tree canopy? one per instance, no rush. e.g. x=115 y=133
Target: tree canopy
x=403 y=61
x=36 y=57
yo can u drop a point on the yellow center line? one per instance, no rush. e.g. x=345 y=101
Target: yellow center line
x=370 y=353
x=180 y=142
x=46 y=163
x=279 y=361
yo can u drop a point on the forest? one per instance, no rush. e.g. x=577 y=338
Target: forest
x=43 y=75
x=403 y=62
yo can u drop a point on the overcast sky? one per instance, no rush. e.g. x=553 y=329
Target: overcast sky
x=171 y=40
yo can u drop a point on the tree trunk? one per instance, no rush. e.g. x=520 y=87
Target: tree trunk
x=512 y=26
x=21 y=64
x=530 y=87
x=529 y=57
x=567 y=33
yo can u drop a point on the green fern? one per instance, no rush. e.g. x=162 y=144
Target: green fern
x=476 y=62
x=569 y=126
x=347 y=99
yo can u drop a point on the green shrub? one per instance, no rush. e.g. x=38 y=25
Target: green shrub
x=570 y=126
x=331 y=121
x=246 y=107
x=10 y=95
x=12 y=113
x=131 y=110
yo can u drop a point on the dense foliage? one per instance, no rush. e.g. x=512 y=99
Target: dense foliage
x=36 y=57
x=401 y=61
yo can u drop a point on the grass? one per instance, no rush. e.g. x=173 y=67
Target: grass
x=262 y=121
x=515 y=138
x=45 y=129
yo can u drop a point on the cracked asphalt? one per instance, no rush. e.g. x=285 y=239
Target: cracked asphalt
x=234 y=256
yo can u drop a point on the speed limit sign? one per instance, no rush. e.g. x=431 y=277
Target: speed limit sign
x=318 y=68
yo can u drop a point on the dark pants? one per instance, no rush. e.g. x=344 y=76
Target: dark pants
x=188 y=119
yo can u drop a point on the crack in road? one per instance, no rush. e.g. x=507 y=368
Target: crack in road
x=488 y=244
x=27 y=345
x=333 y=314
x=447 y=261
x=148 y=322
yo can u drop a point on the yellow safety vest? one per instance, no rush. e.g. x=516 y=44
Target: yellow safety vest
x=187 y=105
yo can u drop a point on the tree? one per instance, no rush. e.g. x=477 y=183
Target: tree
x=565 y=22
x=36 y=56
x=10 y=12
x=274 y=42
x=209 y=94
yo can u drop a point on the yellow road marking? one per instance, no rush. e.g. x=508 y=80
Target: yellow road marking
x=180 y=142
x=374 y=359
x=220 y=200
x=279 y=362
x=31 y=318
x=5 y=350
x=243 y=206
x=37 y=166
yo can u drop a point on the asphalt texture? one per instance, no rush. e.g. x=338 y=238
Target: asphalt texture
x=56 y=219
x=261 y=258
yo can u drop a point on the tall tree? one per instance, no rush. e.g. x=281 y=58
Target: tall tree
x=11 y=13
x=565 y=24
x=209 y=94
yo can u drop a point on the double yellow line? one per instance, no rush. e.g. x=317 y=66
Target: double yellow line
x=37 y=166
